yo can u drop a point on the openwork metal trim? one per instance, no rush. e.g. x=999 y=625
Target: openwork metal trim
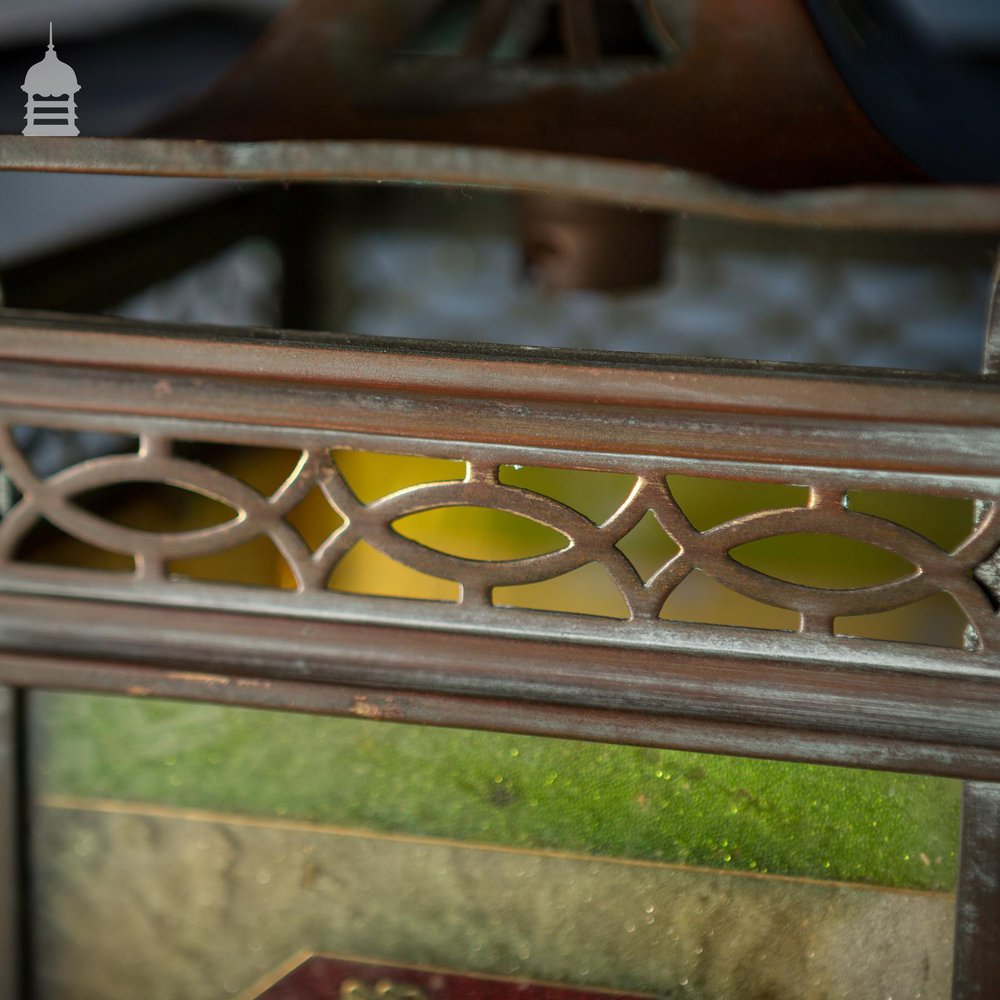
x=52 y=499
x=808 y=695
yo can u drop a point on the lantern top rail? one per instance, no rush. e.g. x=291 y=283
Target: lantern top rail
x=641 y=186
x=593 y=378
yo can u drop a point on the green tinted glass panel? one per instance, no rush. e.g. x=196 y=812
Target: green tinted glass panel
x=192 y=851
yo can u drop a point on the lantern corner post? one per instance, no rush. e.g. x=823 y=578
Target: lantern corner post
x=977 y=908
x=13 y=870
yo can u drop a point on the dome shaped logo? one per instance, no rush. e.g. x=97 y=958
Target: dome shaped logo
x=51 y=86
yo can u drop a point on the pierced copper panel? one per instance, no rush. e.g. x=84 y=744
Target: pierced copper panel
x=830 y=445
x=584 y=542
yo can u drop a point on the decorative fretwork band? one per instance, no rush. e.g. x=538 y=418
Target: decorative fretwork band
x=52 y=499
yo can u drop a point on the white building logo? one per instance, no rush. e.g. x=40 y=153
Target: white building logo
x=51 y=87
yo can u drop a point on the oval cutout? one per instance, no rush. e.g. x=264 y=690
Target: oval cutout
x=159 y=508
x=827 y=562
x=48 y=545
x=484 y=534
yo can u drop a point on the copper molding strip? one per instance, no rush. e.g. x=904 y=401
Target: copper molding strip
x=11 y=880
x=928 y=208
x=916 y=755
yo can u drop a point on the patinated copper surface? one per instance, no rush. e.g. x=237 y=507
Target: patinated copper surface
x=754 y=99
x=749 y=96
x=12 y=926
x=803 y=697
x=480 y=608
x=861 y=207
x=977 y=957
x=810 y=695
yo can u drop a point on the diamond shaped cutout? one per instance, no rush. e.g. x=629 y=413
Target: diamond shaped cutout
x=314 y=518
x=647 y=546
x=987 y=575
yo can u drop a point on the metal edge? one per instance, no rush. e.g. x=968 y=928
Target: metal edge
x=976 y=967
x=926 y=208
x=12 y=917
x=955 y=719
x=456 y=711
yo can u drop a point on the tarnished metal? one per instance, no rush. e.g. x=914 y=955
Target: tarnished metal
x=908 y=422
x=854 y=713
x=754 y=99
x=977 y=930
x=740 y=91
x=12 y=923
x=912 y=208
x=585 y=543
x=807 y=696
x=991 y=344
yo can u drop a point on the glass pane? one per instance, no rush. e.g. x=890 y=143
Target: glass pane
x=194 y=851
